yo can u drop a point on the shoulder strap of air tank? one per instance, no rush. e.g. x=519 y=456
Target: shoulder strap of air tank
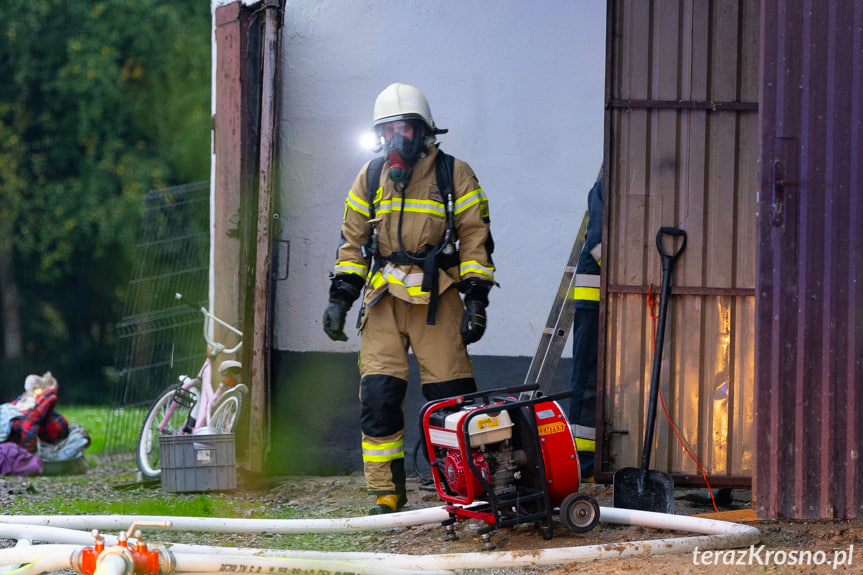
x=373 y=181
x=444 y=168
x=443 y=171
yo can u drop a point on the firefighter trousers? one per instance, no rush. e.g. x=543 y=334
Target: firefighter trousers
x=582 y=410
x=392 y=327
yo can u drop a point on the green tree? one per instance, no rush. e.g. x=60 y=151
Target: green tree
x=100 y=101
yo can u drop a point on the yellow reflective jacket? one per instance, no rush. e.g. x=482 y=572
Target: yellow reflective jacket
x=423 y=223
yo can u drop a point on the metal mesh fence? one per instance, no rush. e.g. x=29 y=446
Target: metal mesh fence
x=159 y=336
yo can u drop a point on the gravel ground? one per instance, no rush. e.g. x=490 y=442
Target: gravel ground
x=344 y=496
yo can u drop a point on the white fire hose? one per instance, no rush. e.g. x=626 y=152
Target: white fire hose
x=63 y=532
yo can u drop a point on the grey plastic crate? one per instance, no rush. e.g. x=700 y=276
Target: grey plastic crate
x=198 y=462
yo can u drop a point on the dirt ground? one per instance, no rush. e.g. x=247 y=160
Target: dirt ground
x=831 y=537
x=345 y=496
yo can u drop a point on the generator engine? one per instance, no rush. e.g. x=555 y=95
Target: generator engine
x=490 y=450
x=515 y=452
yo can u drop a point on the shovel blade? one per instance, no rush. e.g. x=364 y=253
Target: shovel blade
x=643 y=489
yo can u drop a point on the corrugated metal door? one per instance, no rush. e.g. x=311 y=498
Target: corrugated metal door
x=681 y=151
x=809 y=346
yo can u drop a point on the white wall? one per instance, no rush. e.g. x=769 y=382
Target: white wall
x=520 y=86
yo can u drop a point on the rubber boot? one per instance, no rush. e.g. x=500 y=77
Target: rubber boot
x=388 y=504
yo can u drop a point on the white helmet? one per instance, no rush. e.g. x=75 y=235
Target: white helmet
x=403 y=102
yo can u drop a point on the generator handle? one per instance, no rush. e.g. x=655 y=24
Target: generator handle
x=530 y=392
x=537 y=397
x=505 y=391
x=555 y=396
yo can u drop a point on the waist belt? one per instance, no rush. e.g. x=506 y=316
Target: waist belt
x=445 y=261
x=431 y=263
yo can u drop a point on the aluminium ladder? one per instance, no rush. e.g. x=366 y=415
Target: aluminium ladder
x=558 y=325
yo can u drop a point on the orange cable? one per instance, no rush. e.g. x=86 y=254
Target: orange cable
x=651 y=304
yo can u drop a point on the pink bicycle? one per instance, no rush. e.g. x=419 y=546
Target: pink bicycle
x=194 y=405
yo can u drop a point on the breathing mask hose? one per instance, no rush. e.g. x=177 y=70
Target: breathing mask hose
x=450 y=221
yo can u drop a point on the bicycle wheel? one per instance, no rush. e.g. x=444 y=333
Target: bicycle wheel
x=148 y=439
x=227 y=409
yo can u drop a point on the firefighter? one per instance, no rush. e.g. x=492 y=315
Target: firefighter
x=585 y=335
x=411 y=240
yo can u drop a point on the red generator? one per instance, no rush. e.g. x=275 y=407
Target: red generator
x=505 y=457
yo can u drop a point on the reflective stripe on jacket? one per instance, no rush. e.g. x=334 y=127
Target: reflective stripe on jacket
x=422 y=213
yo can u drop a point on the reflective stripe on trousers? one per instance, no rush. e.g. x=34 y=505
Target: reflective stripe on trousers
x=585 y=287
x=383 y=464
x=380 y=452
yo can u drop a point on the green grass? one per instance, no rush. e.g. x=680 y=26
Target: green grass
x=133 y=499
x=124 y=495
x=93 y=419
x=201 y=505
x=198 y=505
x=130 y=497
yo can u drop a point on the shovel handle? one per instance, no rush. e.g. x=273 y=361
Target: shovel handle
x=669 y=259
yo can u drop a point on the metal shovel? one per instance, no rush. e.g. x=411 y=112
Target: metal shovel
x=642 y=488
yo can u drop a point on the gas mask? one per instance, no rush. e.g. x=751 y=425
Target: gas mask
x=402 y=152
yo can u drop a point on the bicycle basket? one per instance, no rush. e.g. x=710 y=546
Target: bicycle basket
x=185 y=398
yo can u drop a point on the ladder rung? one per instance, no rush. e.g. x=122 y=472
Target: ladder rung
x=559 y=321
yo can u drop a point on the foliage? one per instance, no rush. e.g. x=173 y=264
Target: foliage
x=100 y=102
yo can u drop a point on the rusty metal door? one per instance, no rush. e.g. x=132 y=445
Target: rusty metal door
x=809 y=345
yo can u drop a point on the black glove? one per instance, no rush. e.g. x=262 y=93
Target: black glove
x=475 y=289
x=473 y=322
x=334 y=321
x=344 y=290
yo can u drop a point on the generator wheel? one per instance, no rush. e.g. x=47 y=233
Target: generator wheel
x=579 y=512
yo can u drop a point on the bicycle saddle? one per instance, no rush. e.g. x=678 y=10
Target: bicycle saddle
x=229 y=365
